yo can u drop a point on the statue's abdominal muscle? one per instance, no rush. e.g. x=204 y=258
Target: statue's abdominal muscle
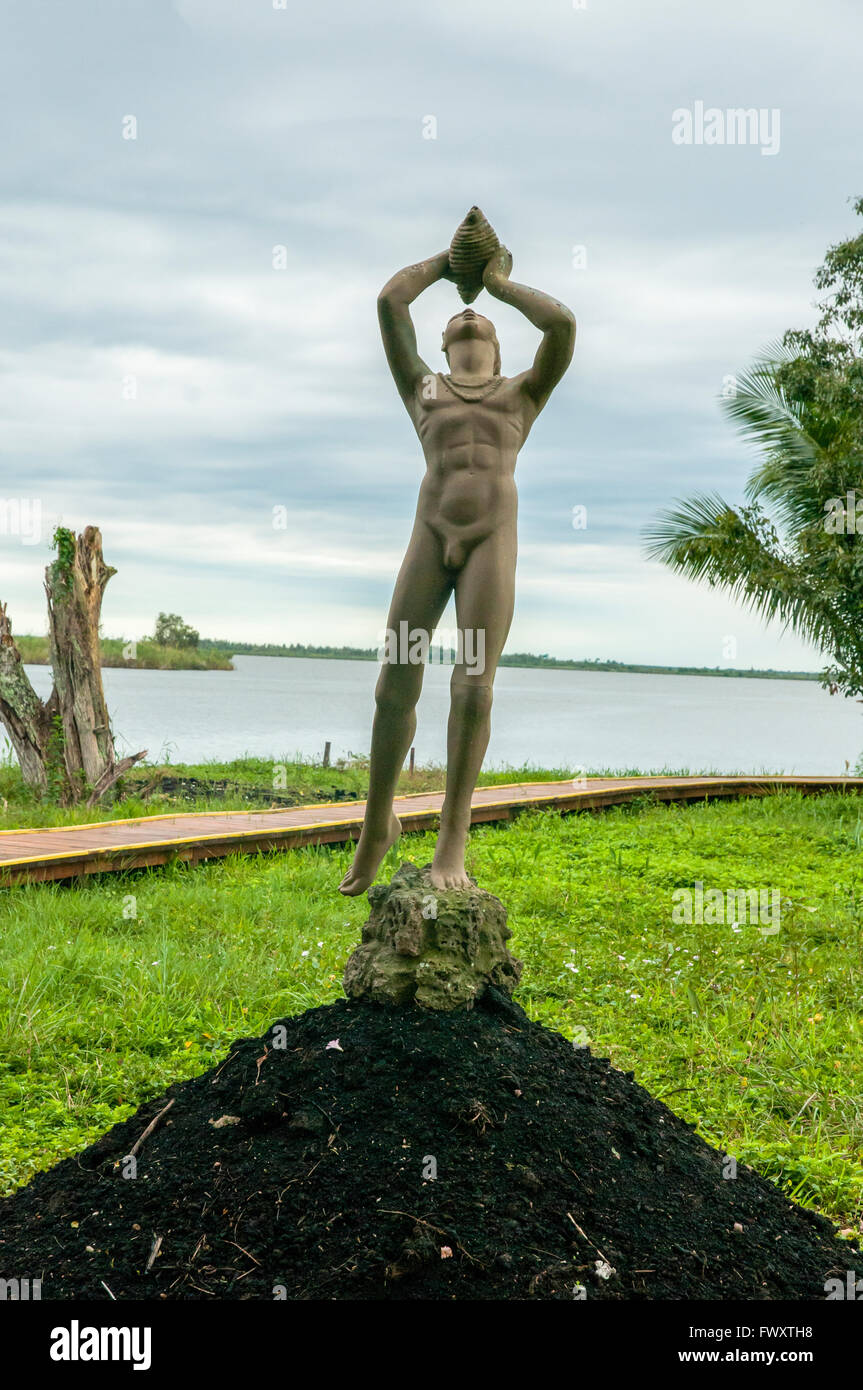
x=470 y=456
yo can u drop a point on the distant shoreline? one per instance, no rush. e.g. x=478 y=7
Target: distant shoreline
x=522 y=659
x=213 y=655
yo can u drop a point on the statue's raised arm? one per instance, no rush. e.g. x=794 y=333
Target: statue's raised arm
x=397 y=329
x=556 y=322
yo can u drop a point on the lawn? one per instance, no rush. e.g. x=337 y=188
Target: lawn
x=117 y=986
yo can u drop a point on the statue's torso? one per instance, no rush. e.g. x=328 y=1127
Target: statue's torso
x=470 y=450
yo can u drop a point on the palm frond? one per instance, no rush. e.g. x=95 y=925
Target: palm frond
x=789 y=437
x=683 y=537
x=706 y=540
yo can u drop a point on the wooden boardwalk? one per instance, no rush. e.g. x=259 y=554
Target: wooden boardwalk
x=28 y=856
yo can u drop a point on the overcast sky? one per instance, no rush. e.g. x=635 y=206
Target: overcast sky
x=161 y=379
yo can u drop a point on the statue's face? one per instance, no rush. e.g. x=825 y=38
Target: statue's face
x=468 y=324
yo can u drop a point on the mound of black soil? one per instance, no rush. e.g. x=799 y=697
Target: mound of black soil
x=383 y=1153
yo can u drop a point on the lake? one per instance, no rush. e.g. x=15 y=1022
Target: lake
x=276 y=707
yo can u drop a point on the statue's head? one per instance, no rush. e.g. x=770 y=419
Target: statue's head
x=467 y=339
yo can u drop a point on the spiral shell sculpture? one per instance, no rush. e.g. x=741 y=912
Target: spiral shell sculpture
x=474 y=241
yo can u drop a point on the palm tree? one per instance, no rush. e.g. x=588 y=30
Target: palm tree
x=801 y=562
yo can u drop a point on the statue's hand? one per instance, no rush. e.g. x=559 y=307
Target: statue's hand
x=445 y=271
x=497 y=269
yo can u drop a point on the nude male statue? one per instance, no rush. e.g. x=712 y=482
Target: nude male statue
x=471 y=423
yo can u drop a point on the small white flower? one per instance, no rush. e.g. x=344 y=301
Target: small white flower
x=335 y=1044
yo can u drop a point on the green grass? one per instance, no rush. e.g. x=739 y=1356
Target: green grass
x=117 y=986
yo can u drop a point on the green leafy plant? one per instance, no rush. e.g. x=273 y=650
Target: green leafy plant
x=172 y=631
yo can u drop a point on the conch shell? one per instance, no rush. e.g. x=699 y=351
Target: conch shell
x=474 y=242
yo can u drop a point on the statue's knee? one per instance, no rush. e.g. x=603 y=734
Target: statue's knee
x=395 y=694
x=471 y=701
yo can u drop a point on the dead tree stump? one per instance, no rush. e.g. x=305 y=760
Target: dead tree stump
x=64 y=744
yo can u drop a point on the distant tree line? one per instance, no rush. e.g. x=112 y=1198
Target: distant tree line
x=528 y=659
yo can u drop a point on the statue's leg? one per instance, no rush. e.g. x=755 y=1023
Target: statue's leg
x=421 y=594
x=484 y=595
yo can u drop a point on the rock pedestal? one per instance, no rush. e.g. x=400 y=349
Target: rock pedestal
x=439 y=948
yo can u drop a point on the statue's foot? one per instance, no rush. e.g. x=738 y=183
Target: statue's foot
x=447 y=870
x=367 y=860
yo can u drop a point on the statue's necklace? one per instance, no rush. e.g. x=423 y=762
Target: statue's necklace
x=475 y=391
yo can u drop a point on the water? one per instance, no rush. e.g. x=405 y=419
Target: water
x=277 y=707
